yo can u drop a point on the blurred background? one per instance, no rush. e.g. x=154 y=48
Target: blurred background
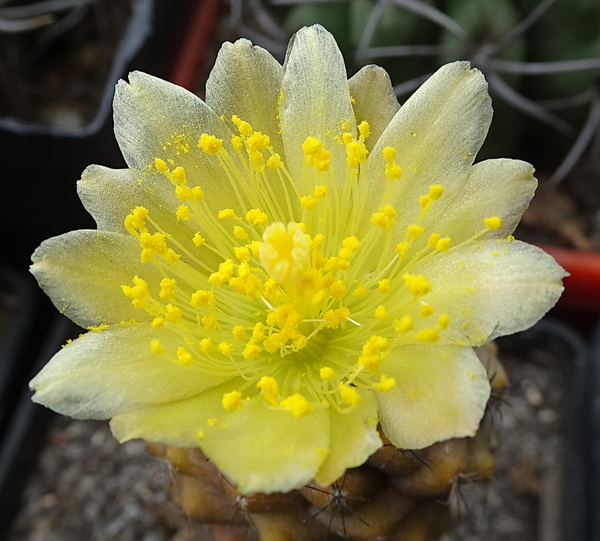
x=59 y=61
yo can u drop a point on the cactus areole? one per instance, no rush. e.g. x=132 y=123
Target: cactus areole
x=288 y=265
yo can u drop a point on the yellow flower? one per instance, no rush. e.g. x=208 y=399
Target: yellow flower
x=291 y=263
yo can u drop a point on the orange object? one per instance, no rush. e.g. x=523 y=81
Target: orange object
x=582 y=287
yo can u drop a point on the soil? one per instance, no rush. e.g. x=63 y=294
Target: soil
x=87 y=486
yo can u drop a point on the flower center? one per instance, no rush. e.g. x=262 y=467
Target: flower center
x=304 y=314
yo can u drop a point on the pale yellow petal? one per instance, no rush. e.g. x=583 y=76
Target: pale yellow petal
x=156 y=119
x=373 y=100
x=259 y=448
x=437 y=134
x=83 y=271
x=491 y=289
x=440 y=393
x=112 y=371
x=315 y=99
x=353 y=437
x=499 y=187
x=246 y=81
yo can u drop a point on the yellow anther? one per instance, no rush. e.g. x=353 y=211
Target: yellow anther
x=285 y=253
x=257 y=217
x=167 y=288
x=157 y=323
x=210 y=144
x=198 y=240
x=443 y=245
x=417 y=284
x=251 y=351
x=239 y=233
x=405 y=324
x=381 y=220
x=161 y=166
x=184 y=357
x=436 y=191
x=315 y=154
x=206 y=345
x=427 y=335
x=197 y=193
x=318 y=241
x=401 y=248
x=345 y=253
x=225 y=348
x=414 y=231
x=269 y=389
x=200 y=434
x=364 y=130
x=433 y=240
x=155 y=243
x=242 y=253
x=232 y=401
x=237 y=143
x=326 y=373
x=297 y=405
x=308 y=203
x=389 y=153
x=392 y=171
x=209 y=323
x=352 y=243
x=426 y=310
x=359 y=292
x=443 y=322
x=136 y=220
x=384 y=384
x=238 y=332
x=183 y=213
x=336 y=317
x=256 y=158
x=171 y=256
x=424 y=201
x=320 y=191
x=156 y=347
x=338 y=290
x=381 y=313
x=258 y=333
x=257 y=141
x=347 y=138
x=356 y=153
x=374 y=351
x=384 y=285
x=349 y=395
x=243 y=127
x=183 y=193
x=179 y=175
x=223 y=274
x=493 y=222
x=226 y=213
x=201 y=298
x=172 y=313
x=274 y=162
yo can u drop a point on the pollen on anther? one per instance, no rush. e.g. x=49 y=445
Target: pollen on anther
x=225 y=348
x=232 y=401
x=156 y=347
x=238 y=332
x=198 y=240
x=183 y=213
x=349 y=395
x=226 y=213
x=308 y=203
x=405 y=324
x=326 y=373
x=209 y=144
x=206 y=345
x=270 y=389
x=184 y=357
x=493 y=222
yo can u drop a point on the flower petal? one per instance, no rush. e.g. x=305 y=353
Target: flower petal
x=491 y=289
x=82 y=272
x=354 y=438
x=246 y=81
x=437 y=134
x=260 y=449
x=108 y=372
x=108 y=195
x=373 y=100
x=157 y=119
x=499 y=187
x=440 y=393
x=316 y=99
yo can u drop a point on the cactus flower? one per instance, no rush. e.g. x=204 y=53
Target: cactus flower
x=291 y=264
